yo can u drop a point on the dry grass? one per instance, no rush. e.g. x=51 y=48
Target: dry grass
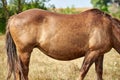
x=3 y=66
x=43 y=67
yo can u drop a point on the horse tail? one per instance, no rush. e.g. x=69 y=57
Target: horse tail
x=12 y=57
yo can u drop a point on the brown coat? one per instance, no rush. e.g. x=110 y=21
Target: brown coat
x=65 y=37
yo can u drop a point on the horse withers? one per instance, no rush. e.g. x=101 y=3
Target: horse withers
x=91 y=34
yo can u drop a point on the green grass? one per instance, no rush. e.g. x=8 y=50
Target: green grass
x=43 y=67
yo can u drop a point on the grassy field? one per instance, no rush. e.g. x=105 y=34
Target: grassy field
x=43 y=67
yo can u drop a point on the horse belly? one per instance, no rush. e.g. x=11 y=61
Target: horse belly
x=66 y=53
x=66 y=47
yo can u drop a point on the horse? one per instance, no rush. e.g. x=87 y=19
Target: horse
x=89 y=34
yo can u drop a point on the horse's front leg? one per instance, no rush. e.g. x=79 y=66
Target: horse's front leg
x=88 y=61
x=99 y=67
x=24 y=59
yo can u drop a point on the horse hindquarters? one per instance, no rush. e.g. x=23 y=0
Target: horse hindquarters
x=18 y=63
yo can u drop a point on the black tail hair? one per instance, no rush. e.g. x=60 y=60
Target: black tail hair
x=11 y=54
x=12 y=57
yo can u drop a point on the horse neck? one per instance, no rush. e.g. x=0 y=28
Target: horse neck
x=116 y=35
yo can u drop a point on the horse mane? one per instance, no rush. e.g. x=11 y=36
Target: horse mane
x=99 y=12
x=116 y=30
x=116 y=21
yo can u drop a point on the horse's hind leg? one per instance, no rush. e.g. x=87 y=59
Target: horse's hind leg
x=99 y=67
x=24 y=58
x=88 y=61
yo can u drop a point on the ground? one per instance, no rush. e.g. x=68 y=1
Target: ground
x=43 y=67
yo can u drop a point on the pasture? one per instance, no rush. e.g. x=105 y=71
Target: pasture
x=43 y=67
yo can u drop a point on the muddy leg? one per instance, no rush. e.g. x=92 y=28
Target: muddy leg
x=99 y=67
x=24 y=59
x=88 y=61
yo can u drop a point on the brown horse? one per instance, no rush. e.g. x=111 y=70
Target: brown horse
x=64 y=37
